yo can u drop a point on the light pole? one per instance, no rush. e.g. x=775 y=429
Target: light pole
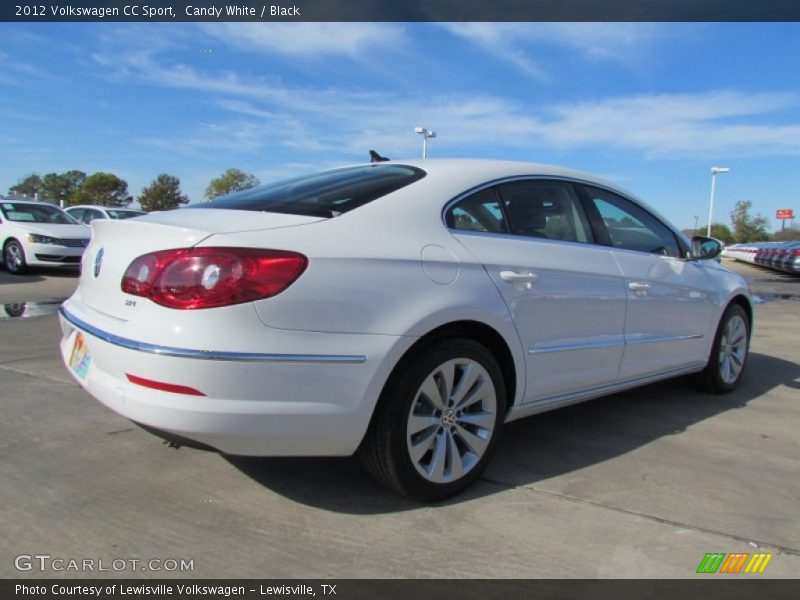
x=714 y=171
x=696 y=218
x=425 y=135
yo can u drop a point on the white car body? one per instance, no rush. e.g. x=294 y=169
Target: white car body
x=86 y=213
x=300 y=373
x=68 y=240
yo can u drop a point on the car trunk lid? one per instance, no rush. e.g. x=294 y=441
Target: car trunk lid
x=115 y=244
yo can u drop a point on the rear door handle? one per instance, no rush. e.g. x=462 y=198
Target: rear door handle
x=639 y=286
x=527 y=279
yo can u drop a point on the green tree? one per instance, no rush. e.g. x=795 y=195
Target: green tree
x=29 y=185
x=62 y=186
x=102 y=188
x=232 y=180
x=163 y=194
x=747 y=228
x=719 y=231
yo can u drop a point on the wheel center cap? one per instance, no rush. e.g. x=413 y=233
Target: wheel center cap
x=449 y=418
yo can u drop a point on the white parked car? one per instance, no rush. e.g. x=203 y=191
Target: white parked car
x=403 y=311
x=86 y=213
x=37 y=234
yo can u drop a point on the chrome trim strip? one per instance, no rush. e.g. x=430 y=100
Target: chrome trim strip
x=610 y=343
x=208 y=354
x=563 y=347
x=645 y=338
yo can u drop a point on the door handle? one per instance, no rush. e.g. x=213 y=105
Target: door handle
x=639 y=286
x=528 y=279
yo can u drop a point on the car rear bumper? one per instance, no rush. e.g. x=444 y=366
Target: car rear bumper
x=296 y=404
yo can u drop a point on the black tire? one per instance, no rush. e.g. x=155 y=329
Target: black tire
x=385 y=451
x=711 y=378
x=14 y=258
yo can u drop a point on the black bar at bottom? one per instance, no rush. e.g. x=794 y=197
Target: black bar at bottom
x=728 y=587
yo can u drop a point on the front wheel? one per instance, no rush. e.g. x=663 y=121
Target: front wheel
x=14 y=257
x=728 y=354
x=437 y=422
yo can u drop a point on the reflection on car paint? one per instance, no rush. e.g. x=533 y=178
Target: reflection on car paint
x=25 y=310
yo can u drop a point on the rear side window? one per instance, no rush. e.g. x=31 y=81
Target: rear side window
x=327 y=194
x=124 y=214
x=478 y=212
x=545 y=209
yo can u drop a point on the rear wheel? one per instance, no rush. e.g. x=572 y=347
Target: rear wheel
x=728 y=354
x=14 y=257
x=437 y=422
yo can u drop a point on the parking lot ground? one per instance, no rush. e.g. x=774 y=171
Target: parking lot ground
x=638 y=484
x=39 y=285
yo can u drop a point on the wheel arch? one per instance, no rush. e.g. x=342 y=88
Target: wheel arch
x=488 y=336
x=744 y=302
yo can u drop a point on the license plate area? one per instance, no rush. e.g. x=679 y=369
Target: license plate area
x=79 y=358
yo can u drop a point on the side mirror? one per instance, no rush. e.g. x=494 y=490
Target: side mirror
x=705 y=248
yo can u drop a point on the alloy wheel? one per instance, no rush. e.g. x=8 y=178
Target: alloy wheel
x=452 y=420
x=14 y=258
x=733 y=349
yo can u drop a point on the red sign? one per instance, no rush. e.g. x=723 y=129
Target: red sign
x=784 y=213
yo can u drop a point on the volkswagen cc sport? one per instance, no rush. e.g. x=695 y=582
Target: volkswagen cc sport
x=401 y=311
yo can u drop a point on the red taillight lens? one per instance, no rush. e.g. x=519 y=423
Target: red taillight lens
x=796 y=253
x=192 y=278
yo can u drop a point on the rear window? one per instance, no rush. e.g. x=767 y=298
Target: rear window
x=327 y=194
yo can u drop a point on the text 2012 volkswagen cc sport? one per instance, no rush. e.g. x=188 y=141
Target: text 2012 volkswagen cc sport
x=403 y=311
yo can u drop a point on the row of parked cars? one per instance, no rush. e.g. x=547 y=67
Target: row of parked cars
x=782 y=256
x=44 y=235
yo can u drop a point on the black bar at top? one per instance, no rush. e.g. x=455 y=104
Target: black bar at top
x=405 y=10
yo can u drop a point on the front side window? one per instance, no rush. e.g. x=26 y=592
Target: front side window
x=76 y=213
x=545 y=209
x=478 y=212
x=327 y=194
x=631 y=227
x=91 y=215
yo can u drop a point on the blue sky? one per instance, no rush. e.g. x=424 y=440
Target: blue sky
x=649 y=106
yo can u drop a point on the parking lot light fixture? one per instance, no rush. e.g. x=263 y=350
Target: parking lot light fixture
x=426 y=134
x=714 y=171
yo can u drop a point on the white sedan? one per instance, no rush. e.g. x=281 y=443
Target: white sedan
x=37 y=234
x=404 y=311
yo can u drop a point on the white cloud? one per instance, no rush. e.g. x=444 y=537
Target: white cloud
x=266 y=114
x=519 y=43
x=678 y=125
x=309 y=39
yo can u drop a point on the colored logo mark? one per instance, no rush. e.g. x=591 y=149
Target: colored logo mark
x=735 y=562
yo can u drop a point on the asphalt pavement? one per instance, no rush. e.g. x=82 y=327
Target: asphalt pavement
x=638 y=484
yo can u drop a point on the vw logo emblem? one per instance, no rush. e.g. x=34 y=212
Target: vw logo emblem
x=98 y=262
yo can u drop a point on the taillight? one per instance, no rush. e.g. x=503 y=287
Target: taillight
x=796 y=253
x=192 y=278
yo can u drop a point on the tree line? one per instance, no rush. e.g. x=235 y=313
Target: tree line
x=106 y=189
x=745 y=228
